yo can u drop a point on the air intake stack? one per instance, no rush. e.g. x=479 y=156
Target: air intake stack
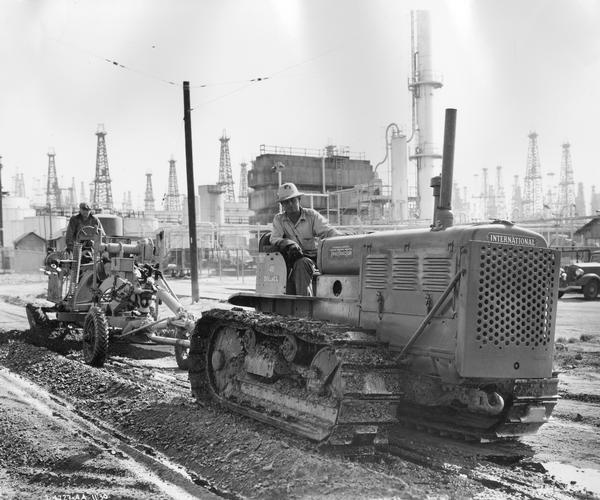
x=443 y=216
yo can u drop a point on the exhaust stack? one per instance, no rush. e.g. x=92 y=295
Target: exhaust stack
x=443 y=216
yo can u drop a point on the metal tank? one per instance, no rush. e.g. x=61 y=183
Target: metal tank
x=112 y=224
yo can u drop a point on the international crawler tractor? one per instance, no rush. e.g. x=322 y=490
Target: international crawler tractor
x=449 y=328
x=111 y=291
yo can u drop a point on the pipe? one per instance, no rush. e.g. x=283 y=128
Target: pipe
x=448 y=159
x=168 y=340
x=140 y=328
x=323 y=173
x=443 y=214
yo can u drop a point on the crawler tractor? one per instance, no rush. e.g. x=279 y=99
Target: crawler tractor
x=449 y=329
x=111 y=290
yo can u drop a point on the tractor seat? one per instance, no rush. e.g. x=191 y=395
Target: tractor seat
x=264 y=243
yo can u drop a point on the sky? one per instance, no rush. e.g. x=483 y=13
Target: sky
x=299 y=73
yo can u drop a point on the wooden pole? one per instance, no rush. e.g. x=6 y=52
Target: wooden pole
x=191 y=196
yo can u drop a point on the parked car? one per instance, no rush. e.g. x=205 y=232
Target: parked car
x=581 y=277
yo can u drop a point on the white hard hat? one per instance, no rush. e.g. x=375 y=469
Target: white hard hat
x=287 y=191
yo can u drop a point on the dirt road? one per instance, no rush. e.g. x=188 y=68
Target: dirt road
x=51 y=451
x=143 y=401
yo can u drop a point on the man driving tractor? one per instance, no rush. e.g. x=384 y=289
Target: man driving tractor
x=295 y=233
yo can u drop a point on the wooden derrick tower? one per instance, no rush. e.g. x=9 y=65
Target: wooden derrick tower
x=533 y=203
x=172 y=199
x=225 y=175
x=102 y=195
x=566 y=199
x=149 y=195
x=243 y=194
x=516 y=211
x=53 y=198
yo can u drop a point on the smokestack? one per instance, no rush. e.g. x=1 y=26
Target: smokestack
x=422 y=84
x=443 y=214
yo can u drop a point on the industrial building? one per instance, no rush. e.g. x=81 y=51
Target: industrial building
x=341 y=185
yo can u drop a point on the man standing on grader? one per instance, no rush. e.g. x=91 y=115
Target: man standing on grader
x=85 y=217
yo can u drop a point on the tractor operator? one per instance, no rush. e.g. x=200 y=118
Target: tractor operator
x=294 y=234
x=85 y=217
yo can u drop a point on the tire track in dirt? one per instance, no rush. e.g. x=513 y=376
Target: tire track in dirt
x=147 y=466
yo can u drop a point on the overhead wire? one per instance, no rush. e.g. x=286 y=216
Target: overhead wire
x=146 y=74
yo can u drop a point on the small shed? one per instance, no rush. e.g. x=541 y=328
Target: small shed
x=590 y=233
x=30 y=251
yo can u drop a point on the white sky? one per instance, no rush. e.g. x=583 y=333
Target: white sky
x=337 y=69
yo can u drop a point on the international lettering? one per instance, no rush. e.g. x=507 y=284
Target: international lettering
x=511 y=239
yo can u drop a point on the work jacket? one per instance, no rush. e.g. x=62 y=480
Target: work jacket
x=76 y=223
x=305 y=232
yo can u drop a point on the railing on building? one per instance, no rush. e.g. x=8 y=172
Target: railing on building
x=326 y=152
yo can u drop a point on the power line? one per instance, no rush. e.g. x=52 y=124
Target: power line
x=146 y=74
x=261 y=79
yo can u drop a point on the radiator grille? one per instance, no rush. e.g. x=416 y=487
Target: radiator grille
x=376 y=274
x=405 y=273
x=515 y=301
x=436 y=273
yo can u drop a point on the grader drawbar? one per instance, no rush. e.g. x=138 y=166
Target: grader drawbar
x=112 y=292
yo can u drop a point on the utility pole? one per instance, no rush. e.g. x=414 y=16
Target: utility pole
x=1 y=219
x=189 y=165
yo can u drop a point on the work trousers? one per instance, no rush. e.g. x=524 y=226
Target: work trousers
x=302 y=274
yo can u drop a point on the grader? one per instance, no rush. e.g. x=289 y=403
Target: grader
x=112 y=291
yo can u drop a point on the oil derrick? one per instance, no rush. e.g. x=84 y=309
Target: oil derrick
x=102 y=197
x=20 y=185
x=71 y=200
x=243 y=194
x=149 y=195
x=173 y=200
x=566 y=194
x=551 y=195
x=516 y=211
x=488 y=197
x=460 y=204
x=225 y=176
x=53 y=200
x=126 y=206
x=501 y=211
x=532 y=195
x=492 y=208
x=595 y=201
x=580 y=201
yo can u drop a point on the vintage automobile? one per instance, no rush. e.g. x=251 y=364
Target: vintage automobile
x=581 y=277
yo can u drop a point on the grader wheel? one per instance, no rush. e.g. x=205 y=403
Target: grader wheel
x=95 y=337
x=182 y=353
